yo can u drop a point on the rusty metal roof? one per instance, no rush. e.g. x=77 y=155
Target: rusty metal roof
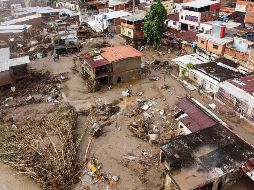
x=96 y=61
x=195 y=118
x=244 y=83
x=112 y=54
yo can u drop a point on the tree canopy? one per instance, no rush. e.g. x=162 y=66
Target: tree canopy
x=154 y=23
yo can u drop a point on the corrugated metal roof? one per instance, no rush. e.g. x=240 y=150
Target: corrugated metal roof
x=244 y=83
x=195 y=118
x=199 y=3
x=6 y=62
x=95 y=62
x=23 y=19
x=120 y=52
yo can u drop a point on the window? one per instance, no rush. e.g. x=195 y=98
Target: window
x=215 y=46
x=202 y=41
x=129 y=33
x=195 y=77
x=174 y=23
x=181 y=17
x=211 y=86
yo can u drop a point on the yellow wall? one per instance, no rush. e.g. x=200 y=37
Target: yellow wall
x=127 y=32
x=169 y=6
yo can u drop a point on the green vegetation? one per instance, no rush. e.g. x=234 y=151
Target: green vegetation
x=154 y=23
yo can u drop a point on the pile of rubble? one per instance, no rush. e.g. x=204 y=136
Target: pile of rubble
x=35 y=88
x=161 y=66
x=43 y=149
x=86 y=32
x=146 y=158
x=99 y=115
x=94 y=171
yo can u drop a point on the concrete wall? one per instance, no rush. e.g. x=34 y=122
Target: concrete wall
x=193 y=14
x=126 y=69
x=174 y=25
x=202 y=43
x=127 y=32
x=211 y=48
x=126 y=65
x=207 y=83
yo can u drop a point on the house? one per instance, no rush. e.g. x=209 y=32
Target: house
x=206 y=27
x=7 y=31
x=209 y=75
x=131 y=26
x=214 y=43
x=169 y=6
x=91 y=8
x=195 y=12
x=11 y=69
x=66 y=41
x=173 y=22
x=190 y=117
x=118 y=5
x=240 y=50
x=68 y=4
x=113 y=64
x=208 y=159
x=104 y=21
x=239 y=94
x=208 y=72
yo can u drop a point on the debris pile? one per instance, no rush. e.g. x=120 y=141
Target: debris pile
x=86 y=32
x=44 y=149
x=94 y=171
x=161 y=66
x=146 y=158
x=36 y=87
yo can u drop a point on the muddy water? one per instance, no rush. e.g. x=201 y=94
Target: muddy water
x=10 y=180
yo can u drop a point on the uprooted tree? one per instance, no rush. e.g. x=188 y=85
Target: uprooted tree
x=154 y=23
x=43 y=149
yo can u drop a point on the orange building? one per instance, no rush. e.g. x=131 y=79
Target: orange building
x=214 y=43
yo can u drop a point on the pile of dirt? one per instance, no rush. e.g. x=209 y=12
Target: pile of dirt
x=44 y=149
x=86 y=32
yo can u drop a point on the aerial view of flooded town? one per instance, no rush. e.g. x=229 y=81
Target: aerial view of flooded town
x=126 y=94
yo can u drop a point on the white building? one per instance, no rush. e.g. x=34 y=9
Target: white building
x=103 y=21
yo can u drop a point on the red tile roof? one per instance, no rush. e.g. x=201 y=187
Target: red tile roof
x=244 y=83
x=112 y=54
x=196 y=119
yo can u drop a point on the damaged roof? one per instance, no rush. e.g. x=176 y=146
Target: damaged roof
x=244 y=83
x=96 y=61
x=222 y=69
x=195 y=119
x=6 y=62
x=117 y=53
x=205 y=156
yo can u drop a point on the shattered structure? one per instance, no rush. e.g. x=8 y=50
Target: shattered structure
x=11 y=69
x=208 y=159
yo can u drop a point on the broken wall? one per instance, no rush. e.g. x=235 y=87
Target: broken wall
x=5 y=78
